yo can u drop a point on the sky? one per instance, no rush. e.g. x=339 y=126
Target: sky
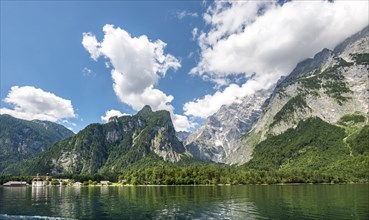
x=82 y=62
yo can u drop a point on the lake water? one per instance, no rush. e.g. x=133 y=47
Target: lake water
x=187 y=202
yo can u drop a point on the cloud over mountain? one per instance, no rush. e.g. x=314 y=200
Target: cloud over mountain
x=31 y=103
x=111 y=113
x=137 y=65
x=237 y=41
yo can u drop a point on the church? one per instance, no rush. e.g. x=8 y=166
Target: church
x=38 y=181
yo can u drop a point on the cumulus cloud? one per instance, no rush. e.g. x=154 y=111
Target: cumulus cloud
x=31 y=103
x=210 y=104
x=183 y=123
x=137 y=64
x=268 y=39
x=111 y=113
x=90 y=43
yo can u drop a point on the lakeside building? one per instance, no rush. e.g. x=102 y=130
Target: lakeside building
x=39 y=182
x=77 y=184
x=104 y=182
x=16 y=183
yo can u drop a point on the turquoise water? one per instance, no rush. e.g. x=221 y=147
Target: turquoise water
x=187 y=202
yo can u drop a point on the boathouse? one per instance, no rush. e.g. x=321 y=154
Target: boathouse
x=15 y=183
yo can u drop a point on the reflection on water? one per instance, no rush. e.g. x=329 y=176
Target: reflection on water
x=40 y=194
x=188 y=202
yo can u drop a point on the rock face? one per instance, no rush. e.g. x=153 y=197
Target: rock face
x=182 y=135
x=22 y=139
x=113 y=146
x=329 y=86
x=216 y=138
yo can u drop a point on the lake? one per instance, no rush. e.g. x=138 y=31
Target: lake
x=187 y=202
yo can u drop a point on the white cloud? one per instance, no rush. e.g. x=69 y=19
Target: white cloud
x=88 y=72
x=274 y=42
x=68 y=123
x=268 y=39
x=182 y=123
x=137 y=64
x=111 y=113
x=33 y=103
x=195 y=33
x=210 y=104
x=90 y=43
x=183 y=14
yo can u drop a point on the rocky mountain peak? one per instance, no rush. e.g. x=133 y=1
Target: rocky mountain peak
x=113 y=146
x=182 y=135
x=216 y=138
x=145 y=110
x=360 y=36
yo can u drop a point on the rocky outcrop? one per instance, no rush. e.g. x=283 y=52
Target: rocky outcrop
x=215 y=140
x=182 y=135
x=166 y=145
x=336 y=87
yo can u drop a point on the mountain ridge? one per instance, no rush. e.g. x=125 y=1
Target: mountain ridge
x=22 y=139
x=114 y=146
x=334 y=88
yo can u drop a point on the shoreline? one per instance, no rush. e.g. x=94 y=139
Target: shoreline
x=129 y=185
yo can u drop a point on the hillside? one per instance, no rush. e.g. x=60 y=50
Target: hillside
x=22 y=139
x=315 y=145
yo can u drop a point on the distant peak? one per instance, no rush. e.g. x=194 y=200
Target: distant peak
x=146 y=109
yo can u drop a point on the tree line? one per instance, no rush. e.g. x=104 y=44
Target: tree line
x=204 y=175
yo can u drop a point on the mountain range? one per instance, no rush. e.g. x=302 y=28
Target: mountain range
x=315 y=118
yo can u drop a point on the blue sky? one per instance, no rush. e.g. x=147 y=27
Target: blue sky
x=41 y=47
x=214 y=54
